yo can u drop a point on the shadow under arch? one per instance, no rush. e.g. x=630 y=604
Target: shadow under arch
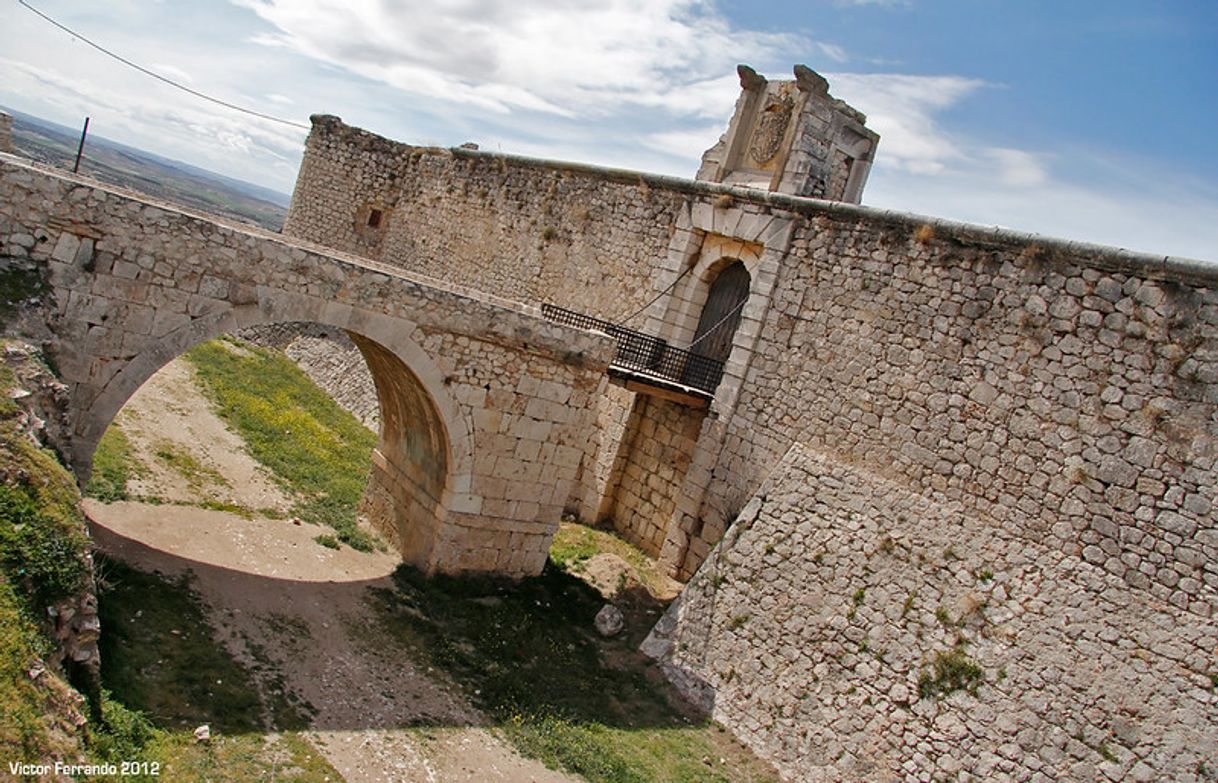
x=425 y=447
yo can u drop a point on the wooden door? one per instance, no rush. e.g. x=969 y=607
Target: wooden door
x=721 y=314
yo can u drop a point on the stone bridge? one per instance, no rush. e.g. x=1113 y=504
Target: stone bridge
x=484 y=404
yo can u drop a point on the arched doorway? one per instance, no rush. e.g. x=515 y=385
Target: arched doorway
x=721 y=313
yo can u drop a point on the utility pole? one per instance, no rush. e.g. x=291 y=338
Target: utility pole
x=81 y=149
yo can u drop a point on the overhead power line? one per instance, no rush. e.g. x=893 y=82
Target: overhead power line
x=158 y=76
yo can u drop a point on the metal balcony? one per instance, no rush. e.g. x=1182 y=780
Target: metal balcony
x=651 y=361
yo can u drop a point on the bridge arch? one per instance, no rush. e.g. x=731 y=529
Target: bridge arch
x=425 y=447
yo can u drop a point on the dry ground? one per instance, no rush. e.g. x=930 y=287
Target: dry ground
x=274 y=593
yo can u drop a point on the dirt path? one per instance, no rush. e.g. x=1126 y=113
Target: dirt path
x=279 y=598
x=187 y=453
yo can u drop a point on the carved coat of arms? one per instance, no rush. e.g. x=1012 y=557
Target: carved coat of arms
x=771 y=127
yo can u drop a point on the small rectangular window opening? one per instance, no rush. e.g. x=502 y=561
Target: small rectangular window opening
x=374 y=218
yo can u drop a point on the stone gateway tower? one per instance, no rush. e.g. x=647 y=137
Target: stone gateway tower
x=793 y=137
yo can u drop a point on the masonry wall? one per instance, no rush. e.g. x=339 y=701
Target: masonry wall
x=525 y=230
x=996 y=444
x=825 y=628
x=528 y=231
x=1065 y=390
x=1068 y=394
x=653 y=456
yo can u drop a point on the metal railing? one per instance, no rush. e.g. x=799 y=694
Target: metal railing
x=645 y=355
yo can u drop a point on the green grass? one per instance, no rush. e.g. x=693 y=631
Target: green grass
x=23 y=734
x=166 y=673
x=311 y=445
x=114 y=464
x=127 y=735
x=574 y=544
x=42 y=560
x=18 y=286
x=42 y=539
x=526 y=654
x=159 y=656
x=173 y=676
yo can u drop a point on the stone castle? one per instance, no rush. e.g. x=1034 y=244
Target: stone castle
x=943 y=495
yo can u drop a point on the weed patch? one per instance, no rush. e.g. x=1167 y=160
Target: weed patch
x=42 y=540
x=22 y=705
x=328 y=541
x=160 y=657
x=185 y=464
x=951 y=671
x=574 y=544
x=19 y=286
x=127 y=735
x=42 y=560
x=165 y=674
x=571 y=548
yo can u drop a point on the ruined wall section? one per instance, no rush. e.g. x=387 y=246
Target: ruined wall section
x=829 y=627
x=1069 y=393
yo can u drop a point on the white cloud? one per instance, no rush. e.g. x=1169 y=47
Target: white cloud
x=1171 y=219
x=1018 y=168
x=902 y=108
x=228 y=143
x=628 y=83
x=683 y=143
x=586 y=58
x=833 y=52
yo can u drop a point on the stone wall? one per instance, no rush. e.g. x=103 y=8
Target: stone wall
x=814 y=631
x=653 y=456
x=1068 y=392
x=531 y=231
x=526 y=230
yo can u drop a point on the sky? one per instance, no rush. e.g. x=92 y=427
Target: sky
x=1081 y=119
